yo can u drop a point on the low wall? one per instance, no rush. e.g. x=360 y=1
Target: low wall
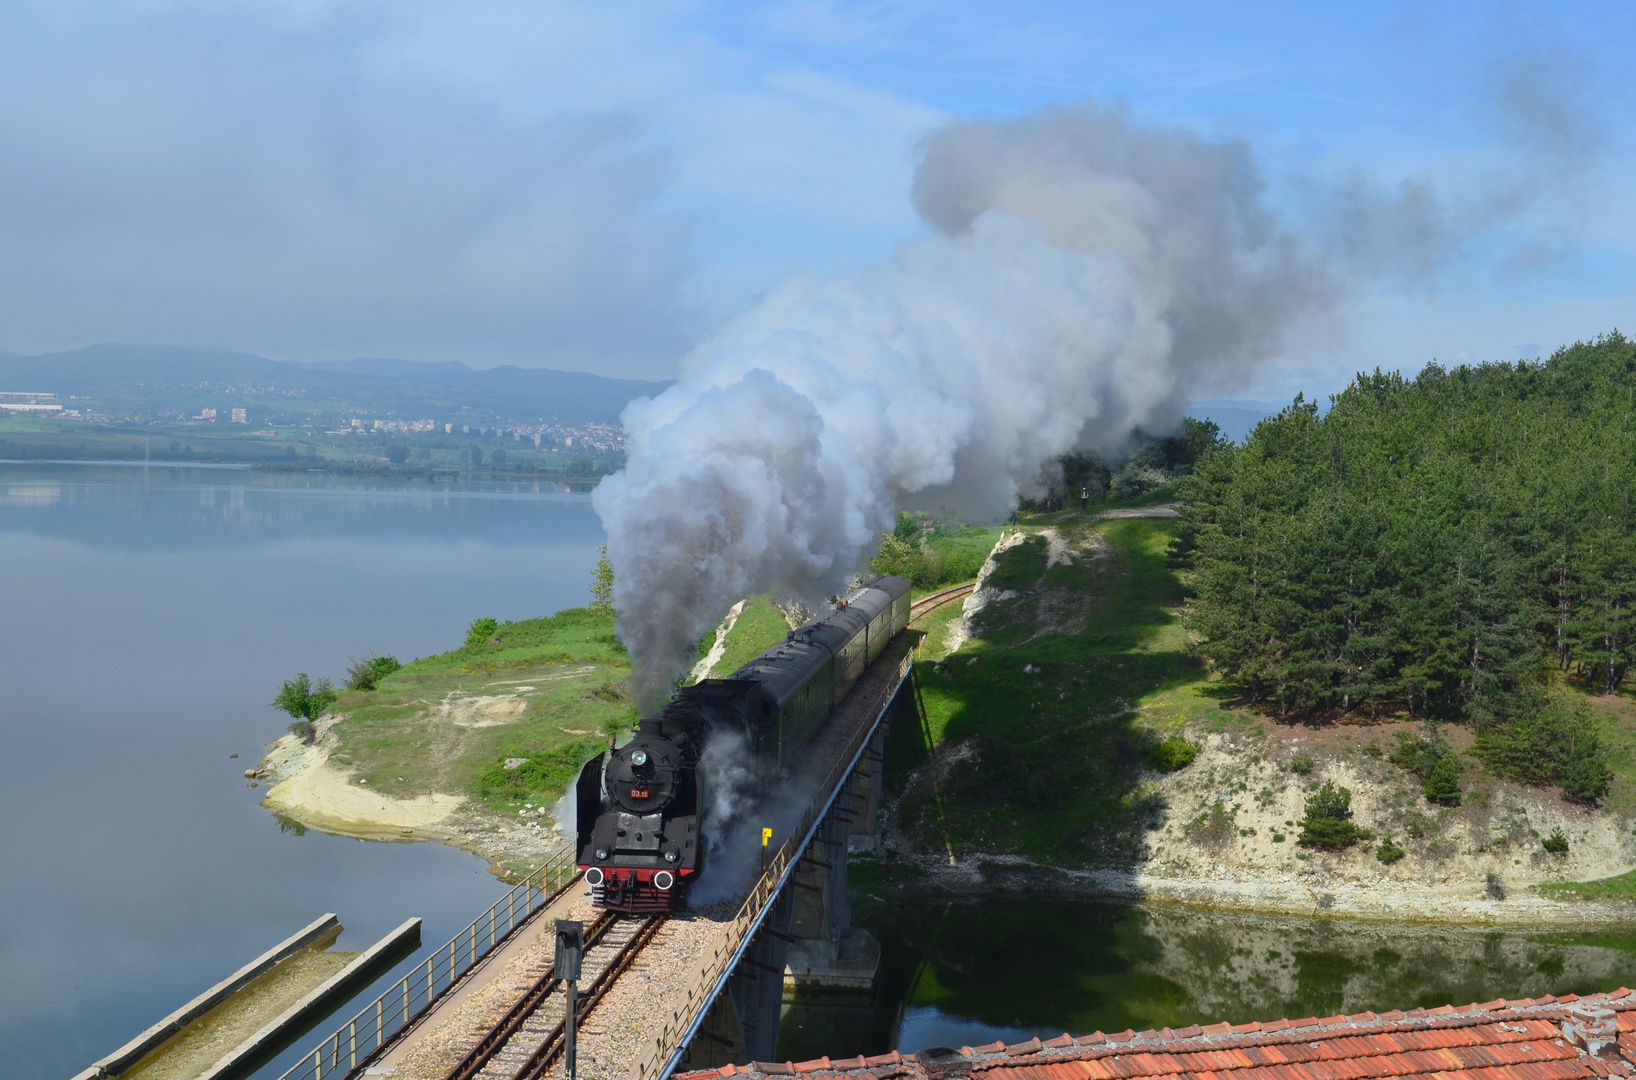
x=133 y=1051
x=280 y=1032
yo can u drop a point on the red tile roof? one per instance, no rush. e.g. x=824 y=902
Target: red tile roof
x=1499 y=1040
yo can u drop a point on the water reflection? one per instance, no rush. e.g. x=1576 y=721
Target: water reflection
x=159 y=507
x=970 y=973
x=148 y=616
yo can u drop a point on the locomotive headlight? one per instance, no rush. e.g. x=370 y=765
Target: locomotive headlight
x=602 y=853
x=670 y=856
x=639 y=757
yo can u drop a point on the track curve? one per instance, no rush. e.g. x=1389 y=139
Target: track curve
x=929 y=603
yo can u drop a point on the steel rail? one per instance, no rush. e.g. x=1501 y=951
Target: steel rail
x=549 y=1050
x=929 y=603
x=367 y=1037
x=508 y=1025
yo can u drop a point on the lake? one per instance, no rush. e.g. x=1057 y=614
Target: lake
x=149 y=615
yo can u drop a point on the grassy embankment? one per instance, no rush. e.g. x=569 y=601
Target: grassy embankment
x=1037 y=718
x=1032 y=739
x=549 y=690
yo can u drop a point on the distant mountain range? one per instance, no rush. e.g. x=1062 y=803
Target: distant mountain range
x=134 y=381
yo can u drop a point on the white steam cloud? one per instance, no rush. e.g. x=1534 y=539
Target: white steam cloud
x=1085 y=273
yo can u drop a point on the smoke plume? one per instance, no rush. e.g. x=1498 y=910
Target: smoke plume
x=1083 y=274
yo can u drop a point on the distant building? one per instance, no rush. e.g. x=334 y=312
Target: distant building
x=240 y=417
x=18 y=401
x=207 y=414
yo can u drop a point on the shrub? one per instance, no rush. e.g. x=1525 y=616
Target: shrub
x=304 y=730
x=1442 y=785
x=366 y=674
x=1172 y=755
x=1389 y=851
x=1551 y=743
x=304 y=700
x=1301 y=765
x=397 y=453
x=478 y=634
x=1430 y=757
x=1215 y=827
x=1327 y=822
x=1494 y=887
x=1556 y=843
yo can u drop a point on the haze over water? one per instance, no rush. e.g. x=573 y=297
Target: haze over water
x=148 y=617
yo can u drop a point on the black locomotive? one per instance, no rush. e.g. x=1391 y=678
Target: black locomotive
x=638 y=806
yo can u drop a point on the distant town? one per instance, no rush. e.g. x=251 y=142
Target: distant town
x=590 y=437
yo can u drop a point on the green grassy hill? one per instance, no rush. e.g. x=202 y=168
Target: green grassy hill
x=549 y=691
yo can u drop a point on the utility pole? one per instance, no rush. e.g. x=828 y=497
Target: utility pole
x=570 y=948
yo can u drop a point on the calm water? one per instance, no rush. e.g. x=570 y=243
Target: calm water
x=146 y=618
x=957 y=974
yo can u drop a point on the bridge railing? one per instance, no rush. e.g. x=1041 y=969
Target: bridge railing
x=722 y=954
x=410 y=997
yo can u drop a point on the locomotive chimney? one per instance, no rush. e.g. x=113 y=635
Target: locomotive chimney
x=653 y=728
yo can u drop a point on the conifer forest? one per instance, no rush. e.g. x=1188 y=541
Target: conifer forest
x=1458 y=547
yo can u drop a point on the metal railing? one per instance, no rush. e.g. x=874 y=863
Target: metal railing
x=412 y=996
x=664 y=1048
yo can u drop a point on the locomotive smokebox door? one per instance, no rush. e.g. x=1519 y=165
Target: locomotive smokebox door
x=587 y=801
x=570 y=948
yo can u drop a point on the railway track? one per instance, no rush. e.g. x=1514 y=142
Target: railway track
x=530 y=1037
x=932 y=601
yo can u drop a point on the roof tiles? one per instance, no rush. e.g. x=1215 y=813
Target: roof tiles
x=1499 y=1040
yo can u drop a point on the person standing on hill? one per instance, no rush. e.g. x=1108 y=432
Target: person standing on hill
x=1085 y=498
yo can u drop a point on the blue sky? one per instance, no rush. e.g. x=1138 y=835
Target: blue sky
x=596 y=186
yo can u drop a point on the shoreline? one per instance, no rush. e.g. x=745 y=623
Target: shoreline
x=306 y=788
x=987 y=875
x=296 y=770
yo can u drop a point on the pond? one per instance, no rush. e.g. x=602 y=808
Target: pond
x=970 y=972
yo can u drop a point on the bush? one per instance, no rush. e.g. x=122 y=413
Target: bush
x=1556 y=843
x=1389 y=851
x=1552 y=743
x=1172 y=755
x=1215 y=827
x=304 y=730
x=303 y=699
x=1442 y=786
x=397 y=453
x=1301 y=765
x=1430 y=757
x=366 y=674
x=1327 y=822
x=479 y=633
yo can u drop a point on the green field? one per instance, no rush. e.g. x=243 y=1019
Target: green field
x=550 y=690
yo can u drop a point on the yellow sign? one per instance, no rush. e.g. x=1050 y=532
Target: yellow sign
x=766 y=836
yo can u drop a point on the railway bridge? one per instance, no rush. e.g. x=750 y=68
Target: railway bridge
x=698 y=989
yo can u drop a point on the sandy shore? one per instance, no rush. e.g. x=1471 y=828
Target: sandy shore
x=320 y=795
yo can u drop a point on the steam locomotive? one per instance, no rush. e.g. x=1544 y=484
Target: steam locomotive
x=638 y=807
